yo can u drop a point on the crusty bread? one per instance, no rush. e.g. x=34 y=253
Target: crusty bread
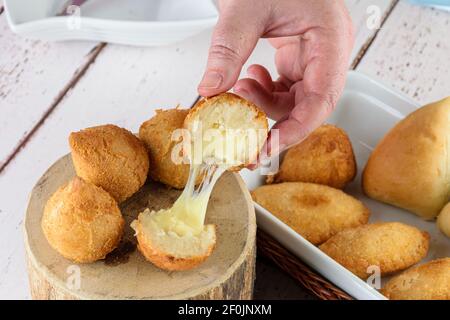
x=391 y=246
x=168 y=250
x=156 y=134
x=410 y=167
x=324 y=157
x=315 y=211
x=228 y=112
x=110 y=157
x=429 y=281
x=82 y=221
x=443 y=220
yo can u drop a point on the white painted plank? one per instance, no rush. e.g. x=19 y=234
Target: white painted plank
x=32 y=73
x=412 y=53
x=124 y=86
x=362 y=12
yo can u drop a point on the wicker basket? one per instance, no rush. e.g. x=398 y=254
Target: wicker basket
x=312 y=281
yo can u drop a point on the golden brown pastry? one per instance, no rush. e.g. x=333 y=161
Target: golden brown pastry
x=315 y=211
x=110 y=157
x=443 y=220
x=156 y=134
x=392 y=246
x=82 y=221
x=429 y=281
x=324 y=157
x=410 y=167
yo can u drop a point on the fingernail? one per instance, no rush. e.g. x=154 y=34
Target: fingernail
x=211 y=79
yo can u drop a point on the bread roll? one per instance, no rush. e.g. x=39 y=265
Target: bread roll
x=324 y=157
x=410 y=167
x=443 y=220
x=110 y=157
x=391 y=246
x=315 y=211
x=82 y=221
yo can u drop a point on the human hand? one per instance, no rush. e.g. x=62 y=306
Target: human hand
x=313 y=41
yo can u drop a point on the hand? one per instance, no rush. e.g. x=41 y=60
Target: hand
x=313 y=41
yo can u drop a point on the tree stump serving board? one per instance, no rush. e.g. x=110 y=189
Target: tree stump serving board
x=227 y=274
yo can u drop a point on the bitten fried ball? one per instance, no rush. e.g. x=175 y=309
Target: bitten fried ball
x=325 y=157
x=156 y=134
x=392 y=246
x=429 y=281
x=110 y=157
x=315 y=211
x=82 y=221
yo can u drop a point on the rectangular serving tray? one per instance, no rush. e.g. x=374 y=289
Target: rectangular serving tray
x=366 y=111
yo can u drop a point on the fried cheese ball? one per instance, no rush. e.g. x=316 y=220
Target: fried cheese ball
x=156 y=134
x=392 y=246
x=315 y=211
x=110 y=157
x=324 y=157
x=429 y=281
x=82 y=221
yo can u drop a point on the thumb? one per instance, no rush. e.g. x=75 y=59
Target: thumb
x=234 y=38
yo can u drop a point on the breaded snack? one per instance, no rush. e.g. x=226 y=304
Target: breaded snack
x=392 y=246
x=410 y=167
x=315 y=211
x=169 y=250
x=443 y=220
x=231 y=130
x=429 y=281
x=156 y=134
x=82 y=221
x=110 y=157
x=177 y=238
x=324 y=157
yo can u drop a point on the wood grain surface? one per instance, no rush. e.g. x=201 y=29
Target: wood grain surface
x=34 y=76
x=227 y=274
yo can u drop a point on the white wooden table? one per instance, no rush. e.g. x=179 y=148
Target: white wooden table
x=50 y=89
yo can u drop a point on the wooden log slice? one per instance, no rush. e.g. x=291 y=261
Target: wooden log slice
x=227 y=274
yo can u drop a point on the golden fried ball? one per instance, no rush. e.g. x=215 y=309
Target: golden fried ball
x=325 y=157
x=156 y=134
x=110 y=157
x=82 y=221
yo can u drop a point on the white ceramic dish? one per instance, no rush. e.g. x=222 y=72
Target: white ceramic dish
x=367 y=110
x=131 y=22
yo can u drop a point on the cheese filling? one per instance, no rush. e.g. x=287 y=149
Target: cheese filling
x=214 y=148
x=209 y=159
x=187 y=215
